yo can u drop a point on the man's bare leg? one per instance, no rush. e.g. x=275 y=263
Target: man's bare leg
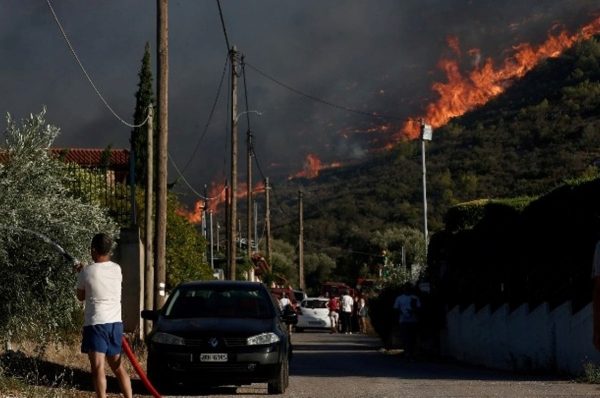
x=98 y=373
x=116 y=364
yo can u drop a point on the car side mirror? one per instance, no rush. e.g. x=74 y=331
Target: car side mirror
x=150 y=315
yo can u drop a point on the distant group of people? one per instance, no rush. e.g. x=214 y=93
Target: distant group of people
x=347 y=314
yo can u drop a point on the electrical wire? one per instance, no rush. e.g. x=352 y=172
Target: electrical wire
x=210 y=116
x=227 y=113
x=186 y=182
x=260 y=170
x=223 y=26
x=322 y=101
x=246 y=96
x=89 y=79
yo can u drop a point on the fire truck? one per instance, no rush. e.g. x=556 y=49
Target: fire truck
x=336 y=289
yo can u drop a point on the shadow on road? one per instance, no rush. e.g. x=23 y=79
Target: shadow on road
x=325 y=355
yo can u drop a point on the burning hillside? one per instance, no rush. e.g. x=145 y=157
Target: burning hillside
x=313 y=166
x=463 y=93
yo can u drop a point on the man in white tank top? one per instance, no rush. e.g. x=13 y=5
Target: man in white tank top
x=99 y=286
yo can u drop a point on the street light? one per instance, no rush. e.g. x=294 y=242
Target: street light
x=245 y=112
x=426 y=133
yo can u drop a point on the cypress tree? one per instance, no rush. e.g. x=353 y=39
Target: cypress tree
x=143 y=98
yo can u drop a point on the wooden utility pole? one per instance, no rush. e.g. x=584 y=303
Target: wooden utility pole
x=301 y=242
x=249 y=198
x=234 y=153
x=163 y=132
x=227 y=231
x=212 y=246
x=149 y=225
x=255 y=246
x=268 y=220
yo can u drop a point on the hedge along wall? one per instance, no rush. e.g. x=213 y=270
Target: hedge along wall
x=519 y=250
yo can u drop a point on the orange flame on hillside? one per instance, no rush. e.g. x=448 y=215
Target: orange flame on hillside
x=242 y=191
x=313 y=166
x=217 y=195
x=194 y=216
x=461 y=94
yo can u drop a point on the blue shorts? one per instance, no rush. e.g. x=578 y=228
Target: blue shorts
x=104 y=338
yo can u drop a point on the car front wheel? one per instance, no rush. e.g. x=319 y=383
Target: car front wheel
x=278 y=385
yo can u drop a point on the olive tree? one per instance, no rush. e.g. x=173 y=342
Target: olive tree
x=37 y=211
x=393 y=242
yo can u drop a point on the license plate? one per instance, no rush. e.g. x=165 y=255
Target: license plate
x=315 y=322
x=213 y=357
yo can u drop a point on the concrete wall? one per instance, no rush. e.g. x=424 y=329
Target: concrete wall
x=129 y=254
x=526 y=339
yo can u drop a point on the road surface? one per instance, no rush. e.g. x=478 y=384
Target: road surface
x=348 y=366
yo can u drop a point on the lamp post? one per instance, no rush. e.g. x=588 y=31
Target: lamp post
x=426 y=133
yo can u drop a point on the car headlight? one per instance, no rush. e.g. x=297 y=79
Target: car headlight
x=166 y=338
x=263 y=339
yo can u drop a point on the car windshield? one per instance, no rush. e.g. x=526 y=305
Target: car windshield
x=315 y=304
x=211 y=302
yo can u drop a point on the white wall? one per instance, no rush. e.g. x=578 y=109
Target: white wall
x=524 y=339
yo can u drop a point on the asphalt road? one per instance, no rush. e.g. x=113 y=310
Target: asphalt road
x=332 y=366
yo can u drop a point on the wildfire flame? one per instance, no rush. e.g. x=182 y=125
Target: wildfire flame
x=193 y=216
x=313 y=166
x=217 y=195
x=461 y=94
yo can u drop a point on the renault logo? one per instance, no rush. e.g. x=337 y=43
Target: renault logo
x=213 y=342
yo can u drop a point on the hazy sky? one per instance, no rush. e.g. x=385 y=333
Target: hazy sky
x=378 y=55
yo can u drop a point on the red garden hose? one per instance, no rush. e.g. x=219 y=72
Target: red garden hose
x=138 y=368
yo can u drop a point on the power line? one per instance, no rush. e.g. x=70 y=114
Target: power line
x=322 y=101
x=223 y=26
x=72 y=49
x=246 y=93
x=210 y=116
x=186 y=182
x=227 y=114
x=260 y=170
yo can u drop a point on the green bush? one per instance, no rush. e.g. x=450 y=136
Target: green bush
x=519 y=250
x=37 y=299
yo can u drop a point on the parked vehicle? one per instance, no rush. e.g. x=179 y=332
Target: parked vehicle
x=313 y=314
x=300 y=295
x=335 y=289
x=219 y=333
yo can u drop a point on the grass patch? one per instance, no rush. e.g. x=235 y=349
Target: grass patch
x=591 y=373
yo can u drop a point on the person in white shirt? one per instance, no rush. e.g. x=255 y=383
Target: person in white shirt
x=407 y=304
x=284 y=302
x=347 y=303
x=99 y=286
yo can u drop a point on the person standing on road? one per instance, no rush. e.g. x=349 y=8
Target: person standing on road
x=334 y=308
x=596 y=296
x=362 y=315
x=99 y=286
x=407 y=304
x=347 y=304
x=284 y=302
